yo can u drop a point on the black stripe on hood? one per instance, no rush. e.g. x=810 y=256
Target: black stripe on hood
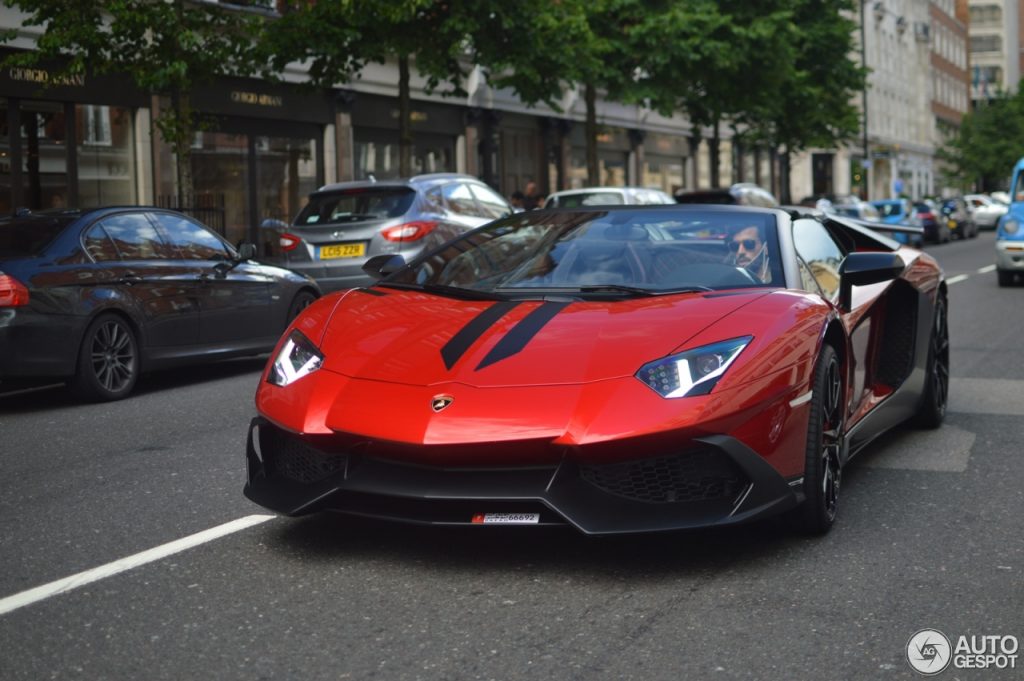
x=521 y=334
x=455 y=348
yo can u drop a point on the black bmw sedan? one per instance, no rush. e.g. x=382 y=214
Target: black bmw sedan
x=96 y=297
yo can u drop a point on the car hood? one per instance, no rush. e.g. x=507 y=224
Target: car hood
x=415 y=338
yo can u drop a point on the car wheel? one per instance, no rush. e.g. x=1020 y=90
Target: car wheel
x=936 y=389
x=1005 y=278
x=300 y=302
x=108 y=360
x=823 y=467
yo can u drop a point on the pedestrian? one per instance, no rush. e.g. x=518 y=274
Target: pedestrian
x=517 y=201
x=532 y=198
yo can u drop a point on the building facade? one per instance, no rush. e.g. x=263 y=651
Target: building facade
x=995 y=31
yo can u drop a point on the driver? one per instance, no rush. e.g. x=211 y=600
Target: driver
x=747 y=249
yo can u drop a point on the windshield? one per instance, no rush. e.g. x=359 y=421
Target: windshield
x=618 y=251
x=358 y=203
x=28 y=236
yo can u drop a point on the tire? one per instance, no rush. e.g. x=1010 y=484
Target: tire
x=108 y=360
x=300 y=302
x=932 y=409
x=823 y=467
x=1005 y=278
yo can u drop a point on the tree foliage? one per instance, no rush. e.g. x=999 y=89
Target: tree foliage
x=815 y=103
x=337 y=39
x=989 y=142
x=166 y=48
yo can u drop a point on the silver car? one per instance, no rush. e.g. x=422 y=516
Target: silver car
x=984 y=210
x=605 y=196
x=346 y=224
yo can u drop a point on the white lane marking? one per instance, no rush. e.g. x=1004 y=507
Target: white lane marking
x=946 y=450
x=987 y=269
x=957 y=279
x=60 y=586
x=806 y=397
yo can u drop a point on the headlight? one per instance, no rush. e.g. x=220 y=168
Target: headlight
x=298 y=358
x=1011 y=226
x=694 y=372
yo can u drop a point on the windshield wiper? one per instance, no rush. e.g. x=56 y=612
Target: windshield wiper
x=636 y=290
x=452 y=291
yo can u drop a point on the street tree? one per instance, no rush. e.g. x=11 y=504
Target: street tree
x=165 y=47
x=715 y=61
x=541 y=50
x=814 y=102
x=990 y=140
x=337 y=39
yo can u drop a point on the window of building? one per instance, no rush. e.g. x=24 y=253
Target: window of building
x=986 y=43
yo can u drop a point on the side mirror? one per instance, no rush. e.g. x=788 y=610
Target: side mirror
x=380 y=266
x=246 y=251
x=861 y=269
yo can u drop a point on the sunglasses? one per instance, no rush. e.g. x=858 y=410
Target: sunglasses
x=748 y=244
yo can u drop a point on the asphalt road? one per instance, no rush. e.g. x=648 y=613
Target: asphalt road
x=930 y=535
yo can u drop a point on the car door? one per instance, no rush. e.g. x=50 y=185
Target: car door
x=820 y=257
x=234 y=296
x=159 y=290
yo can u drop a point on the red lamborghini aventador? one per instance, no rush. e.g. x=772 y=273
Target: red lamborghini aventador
x=614 y=369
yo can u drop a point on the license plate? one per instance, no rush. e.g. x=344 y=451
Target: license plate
x=506 y=518
x=342 y=251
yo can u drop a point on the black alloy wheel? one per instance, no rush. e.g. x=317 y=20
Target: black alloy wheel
x=302 y=300
x=936 y=390
x=108 y=361
x=823 y=467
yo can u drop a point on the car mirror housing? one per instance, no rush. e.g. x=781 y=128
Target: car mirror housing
x=246 y=251
x=861 y=269
x=380 y=266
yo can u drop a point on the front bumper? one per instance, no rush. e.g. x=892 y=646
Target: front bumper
x=720 y=482
x=1010 y=255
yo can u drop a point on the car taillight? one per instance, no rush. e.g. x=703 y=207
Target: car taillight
x=409 y=231
x=927 y=216
x=12 y=292
x=289 y=242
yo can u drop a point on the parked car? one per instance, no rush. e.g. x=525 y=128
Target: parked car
x=961 y=225
x=343 y=225
x=97 y=297
x=867 y=211
x=611 y=369
x=607 y=196
x=985 y=210
x=935 y=229
x=740 y=194
x=1010 y=233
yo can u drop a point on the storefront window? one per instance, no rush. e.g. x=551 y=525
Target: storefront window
x=667 y=174
x=286 y=174
x=44 y=155
x=106 y=161
x=377 y=154
x=6 y=192
x=220 y=174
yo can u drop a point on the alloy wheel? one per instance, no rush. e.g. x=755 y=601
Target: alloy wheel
x=113 y=356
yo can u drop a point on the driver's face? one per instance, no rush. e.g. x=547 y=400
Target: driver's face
x=746 y=244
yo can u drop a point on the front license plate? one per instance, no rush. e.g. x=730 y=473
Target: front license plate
x=342 y=251
x=506 y=518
